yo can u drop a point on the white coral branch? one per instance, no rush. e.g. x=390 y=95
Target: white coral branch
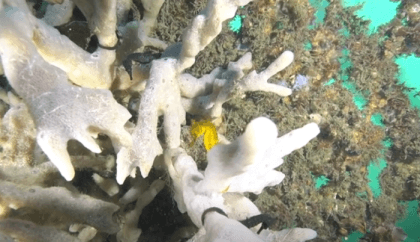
x=60 y=111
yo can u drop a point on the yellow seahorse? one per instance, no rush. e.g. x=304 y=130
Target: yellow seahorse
x=207 y=129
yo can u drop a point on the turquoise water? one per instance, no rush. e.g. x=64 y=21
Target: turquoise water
x=380 y=12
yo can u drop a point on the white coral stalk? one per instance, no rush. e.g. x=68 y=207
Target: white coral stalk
x=162 y=83
x=228 y=161
x=261 y=173
x=60 y=111
x=59 y=14
x=204 y=28
x=247 y=164
x=135 y=35
x=102 y=18
x=240 y=166
x=229 y=83
x=84 y=69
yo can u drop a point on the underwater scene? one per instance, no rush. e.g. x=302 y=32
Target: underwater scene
x=209 y=120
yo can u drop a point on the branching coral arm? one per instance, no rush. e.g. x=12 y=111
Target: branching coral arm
x=204 y=28
x=135 y=35
x=231 y=82
x=262 y=173
x=59 y=14
x=102 y=19
x=258 y=82
x=252 y=81
x=84 y=69
x=162 y=83
x=60 y=111
x=151 y=10
x=193 y=87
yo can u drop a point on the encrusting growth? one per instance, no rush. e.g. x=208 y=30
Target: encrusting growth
x=66 y=91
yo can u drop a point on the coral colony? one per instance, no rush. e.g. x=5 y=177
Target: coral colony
x=60 y=93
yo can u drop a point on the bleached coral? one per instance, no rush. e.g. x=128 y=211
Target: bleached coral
x=21 y=230
x=79 y=208
x=245 y=165
x=58 y=14
x=166 y=80
x=65 y=90
x=60 y=110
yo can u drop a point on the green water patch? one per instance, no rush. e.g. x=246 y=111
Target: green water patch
x=307 y=45
x=358 y=98
x=409 y=75
x=376 y=119
x=411 y=223
x=387 y=142
x=379 y=12
x=235 y=25
x=320 y=6
x=374 y=170
x=345 y=65
x=344 y=32
x=363 y=195
x=353 y=237
x=320 y=181
x=329 y=82
x=375 y=167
